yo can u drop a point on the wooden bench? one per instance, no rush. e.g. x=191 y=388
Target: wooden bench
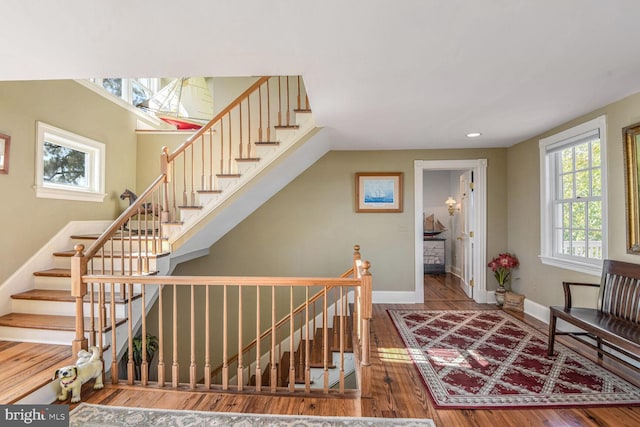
x=615 y=323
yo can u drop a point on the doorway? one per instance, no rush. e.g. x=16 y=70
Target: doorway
x=470 y=224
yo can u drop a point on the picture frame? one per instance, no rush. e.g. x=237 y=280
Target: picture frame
x=379 y=192
x=631 y=140
x=5 y=143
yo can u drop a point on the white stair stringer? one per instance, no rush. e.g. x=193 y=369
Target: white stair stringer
x=194 y=237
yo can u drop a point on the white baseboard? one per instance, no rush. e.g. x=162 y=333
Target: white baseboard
x=391 y=297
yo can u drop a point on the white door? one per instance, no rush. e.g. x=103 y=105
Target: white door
x=466 y=235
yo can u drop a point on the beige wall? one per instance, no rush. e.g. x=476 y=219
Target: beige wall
x=541 y=283
x=29 y=222
x=309 y=228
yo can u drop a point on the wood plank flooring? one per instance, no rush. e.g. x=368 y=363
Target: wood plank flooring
x=397 y=388
x=24 y=367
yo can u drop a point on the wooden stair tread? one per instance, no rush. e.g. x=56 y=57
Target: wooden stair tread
x=66 y=272
x=194 y=207
x=117 y=236
x=65 y=296
x=209 y=191
x=34 y=365
x=334 y=338
x=54 y=272
x=248 y=159
x=45 y=321
x=302 y=110
x=286 y=127
x=127 y=255
x=228 y=175
x=68 y=253
x=267 y=142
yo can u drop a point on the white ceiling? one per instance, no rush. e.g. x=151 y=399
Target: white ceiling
x=388 y=74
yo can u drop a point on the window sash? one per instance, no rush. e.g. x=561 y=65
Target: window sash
x=577 y=191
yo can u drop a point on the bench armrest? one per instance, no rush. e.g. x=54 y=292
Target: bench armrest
x=566 y=286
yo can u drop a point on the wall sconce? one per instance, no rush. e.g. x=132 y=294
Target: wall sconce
x=451 y=205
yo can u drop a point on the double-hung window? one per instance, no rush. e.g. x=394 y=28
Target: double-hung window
x=573 y=198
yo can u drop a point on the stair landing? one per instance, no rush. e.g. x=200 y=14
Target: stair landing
x=27 y=367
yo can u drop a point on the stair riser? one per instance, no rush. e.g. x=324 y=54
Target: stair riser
x=225 y=183
x=187 y=215
x=129 y=264
x=265 y=150
x=64 y=284
x=205 y=199
x=36 y=335
x=60 y=308
x=245 y=167
x=134 y=245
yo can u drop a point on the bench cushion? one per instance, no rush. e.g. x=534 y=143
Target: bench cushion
x=619 y=331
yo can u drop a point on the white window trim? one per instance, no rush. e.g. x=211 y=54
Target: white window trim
x=96 y=151
x=546 y=197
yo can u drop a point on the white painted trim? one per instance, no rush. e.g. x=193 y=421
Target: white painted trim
x=546 y=197
x=144 y=119
x=479 y=168
x=96 y=152
x=23 y=279
x=392 y=297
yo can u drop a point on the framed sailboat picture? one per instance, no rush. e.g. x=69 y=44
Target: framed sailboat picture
x=379 y=191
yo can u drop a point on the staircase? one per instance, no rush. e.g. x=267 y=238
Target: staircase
x=318 y=358
x=173 y=219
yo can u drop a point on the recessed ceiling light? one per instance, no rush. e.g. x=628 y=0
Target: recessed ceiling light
x=473 y=134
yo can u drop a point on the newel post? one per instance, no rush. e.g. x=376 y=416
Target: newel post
x=78 y=291
x=165 y=169
x=366 y=313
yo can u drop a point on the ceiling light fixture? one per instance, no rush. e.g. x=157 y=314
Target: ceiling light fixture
x=473 y=134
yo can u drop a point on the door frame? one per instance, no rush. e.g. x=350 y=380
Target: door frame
x=479 y=168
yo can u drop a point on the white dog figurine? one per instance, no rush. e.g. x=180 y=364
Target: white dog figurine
x=85 y=369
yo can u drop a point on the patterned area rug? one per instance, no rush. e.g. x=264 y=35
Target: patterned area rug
x=88 y=415
x=489 y=359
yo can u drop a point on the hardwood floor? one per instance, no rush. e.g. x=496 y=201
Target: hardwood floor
x=397 y=388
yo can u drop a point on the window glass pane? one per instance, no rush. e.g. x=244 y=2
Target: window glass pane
x=63 y=165
x=595 y=215
x=578 y=245
x=595 y=244
x=582 y=184
x=113 y=85
x=567 y=160
x=140 y=94
x=595 y=153
x=565 y=239
x=566 y=215
x=596 y=182
x=578 y=214
x=582 y=156
x=567 y=186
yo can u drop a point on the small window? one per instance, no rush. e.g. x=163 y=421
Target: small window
x=573 y=202
x=68 y=166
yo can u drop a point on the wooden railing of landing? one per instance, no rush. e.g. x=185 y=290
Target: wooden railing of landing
x=267 y=297
x=137 y=237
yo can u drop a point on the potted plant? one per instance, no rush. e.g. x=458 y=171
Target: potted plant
x=151 y=343
x=501 y=267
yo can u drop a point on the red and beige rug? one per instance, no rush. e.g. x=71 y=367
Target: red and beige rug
x=489 y=359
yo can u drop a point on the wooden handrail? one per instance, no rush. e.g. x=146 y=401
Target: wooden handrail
x=218 y=117
x=130 y=212
x=222 y=280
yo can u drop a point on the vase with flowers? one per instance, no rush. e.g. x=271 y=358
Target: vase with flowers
x=501 y=267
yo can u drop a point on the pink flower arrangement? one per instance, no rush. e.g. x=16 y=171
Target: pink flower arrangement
x=502 y=266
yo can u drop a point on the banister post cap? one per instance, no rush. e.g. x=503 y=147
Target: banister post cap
x=79 y=248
